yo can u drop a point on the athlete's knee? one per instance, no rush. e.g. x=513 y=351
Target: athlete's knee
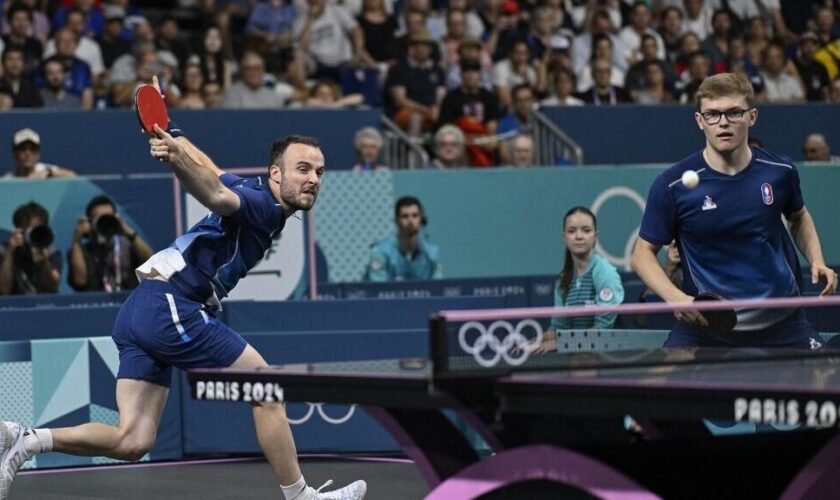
x=133 y=446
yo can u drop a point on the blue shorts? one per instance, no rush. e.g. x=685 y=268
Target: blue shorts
x=794 y=332
x=158 y=327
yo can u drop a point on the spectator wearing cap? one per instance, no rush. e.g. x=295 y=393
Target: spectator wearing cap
x=815 y=148
x=416 y=87
x=471 y=48
x=26 y=147
x=111 y=42
x=368 y=144
x=20 y=27
x=475 y=110
x=15 y=83
x=813 y=73
x=414 y=21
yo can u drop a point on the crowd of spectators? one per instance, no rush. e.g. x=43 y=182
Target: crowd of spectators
x=427 y=63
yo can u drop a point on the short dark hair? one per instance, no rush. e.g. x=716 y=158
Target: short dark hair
x=278 y=149
x=97 y=201
x=18 y=7
x=24 y=213
x=519 y=87
x=407 y=201
x=12 y=48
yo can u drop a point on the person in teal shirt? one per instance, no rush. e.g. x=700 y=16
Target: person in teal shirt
x=586 y=279
x=408 y=255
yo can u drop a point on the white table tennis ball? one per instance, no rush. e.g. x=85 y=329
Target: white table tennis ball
x=690 y=179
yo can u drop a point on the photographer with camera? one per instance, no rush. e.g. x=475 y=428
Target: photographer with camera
x=105 y=250
x=28 y=261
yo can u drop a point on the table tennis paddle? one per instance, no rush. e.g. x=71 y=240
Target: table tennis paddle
x=720 y=321
x=151 y=110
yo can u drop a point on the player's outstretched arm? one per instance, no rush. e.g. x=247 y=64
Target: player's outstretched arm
x=805 y=235
x=199 y=180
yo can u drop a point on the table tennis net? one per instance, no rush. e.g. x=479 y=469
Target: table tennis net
x=548 y=338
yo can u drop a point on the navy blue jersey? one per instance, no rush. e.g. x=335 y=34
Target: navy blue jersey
x=730 y=231
x=207 y=261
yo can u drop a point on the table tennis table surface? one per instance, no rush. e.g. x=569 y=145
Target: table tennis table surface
x=673 y=383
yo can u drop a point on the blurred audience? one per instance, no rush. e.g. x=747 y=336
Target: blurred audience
x=815 y=148
x=449 y=148
x=21 y=90
x=368 y=144
x=522 y=152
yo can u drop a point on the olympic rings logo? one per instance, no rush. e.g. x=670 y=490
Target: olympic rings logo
x=319 y=408
x=600 y=200
x=513 y=346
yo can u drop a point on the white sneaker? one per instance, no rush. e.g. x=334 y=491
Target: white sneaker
x=353 y=491
x=12 y=454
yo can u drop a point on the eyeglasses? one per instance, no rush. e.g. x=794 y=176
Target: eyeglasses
x=733 y=115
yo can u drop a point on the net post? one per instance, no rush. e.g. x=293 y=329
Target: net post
x=437 y=344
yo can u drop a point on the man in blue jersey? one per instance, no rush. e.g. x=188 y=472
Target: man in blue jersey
x=169 y=318
x=729 y=229
x=408 y=255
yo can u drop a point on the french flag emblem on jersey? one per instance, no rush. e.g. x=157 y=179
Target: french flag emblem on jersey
x=767 y=193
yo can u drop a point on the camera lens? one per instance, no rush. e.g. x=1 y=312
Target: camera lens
x=39 y=237
x=107 y=225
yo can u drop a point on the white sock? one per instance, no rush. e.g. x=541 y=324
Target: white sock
x=295 y=489
x=37 y=441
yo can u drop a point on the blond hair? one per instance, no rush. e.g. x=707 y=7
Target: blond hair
x=725 y=84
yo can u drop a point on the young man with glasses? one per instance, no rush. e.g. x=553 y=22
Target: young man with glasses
x=729 y=228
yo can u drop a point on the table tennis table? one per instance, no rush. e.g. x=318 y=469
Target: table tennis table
x=559 y=427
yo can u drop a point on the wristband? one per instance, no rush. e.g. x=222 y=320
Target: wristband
x=174 y=130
